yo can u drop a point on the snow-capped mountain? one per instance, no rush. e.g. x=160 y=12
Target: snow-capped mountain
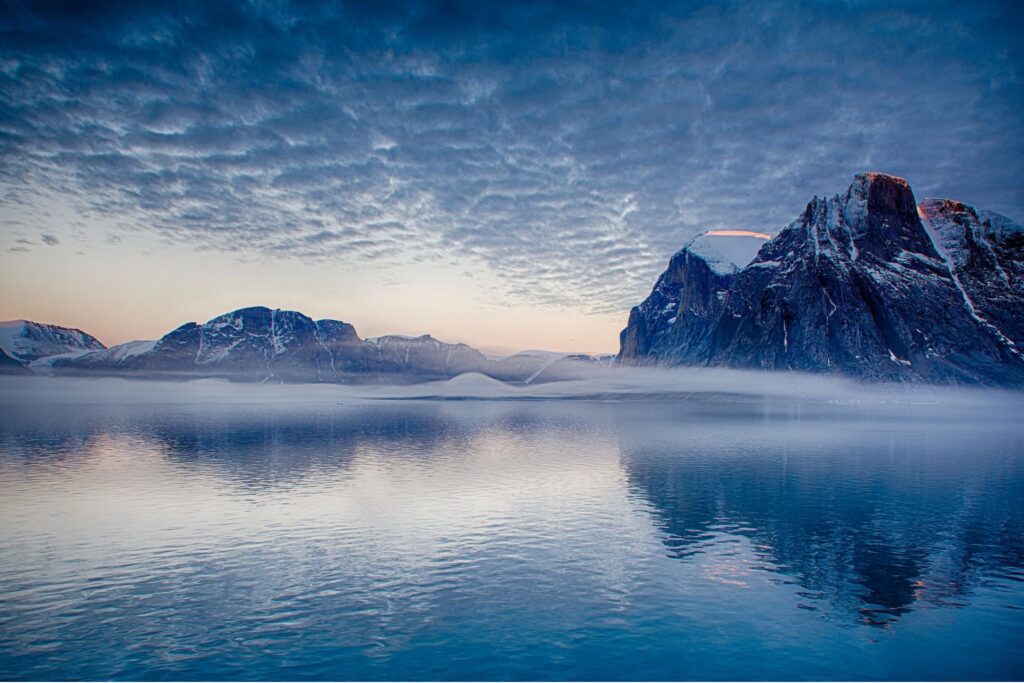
x=262 y=344
x=866 y=283
x=26 y=341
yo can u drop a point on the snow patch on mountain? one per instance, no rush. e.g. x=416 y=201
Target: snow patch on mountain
x=119 y=352
x=725 y=253
x=998 y=225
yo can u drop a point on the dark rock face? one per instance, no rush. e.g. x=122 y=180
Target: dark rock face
x=343 y=347
x=676 y=321
x=858 y=285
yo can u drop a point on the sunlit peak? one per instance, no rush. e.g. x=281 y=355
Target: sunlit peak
x=739 y=233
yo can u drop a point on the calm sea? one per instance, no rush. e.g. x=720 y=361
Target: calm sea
x=678 y=539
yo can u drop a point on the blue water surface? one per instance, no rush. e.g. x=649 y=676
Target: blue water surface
x=491 y=540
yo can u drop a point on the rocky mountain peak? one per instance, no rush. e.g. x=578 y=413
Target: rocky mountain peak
x=865 y=283
x=882 y=215
x=883 y=192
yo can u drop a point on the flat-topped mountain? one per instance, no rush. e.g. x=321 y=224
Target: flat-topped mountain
x=866 y=283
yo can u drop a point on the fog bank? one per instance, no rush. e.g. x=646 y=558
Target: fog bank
x=606 y=385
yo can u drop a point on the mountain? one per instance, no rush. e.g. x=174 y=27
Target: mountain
x=867 y=284
x=25 y=341
x=259 y=344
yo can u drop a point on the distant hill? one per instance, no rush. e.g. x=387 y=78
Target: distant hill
x=260 y=344
x=24 y=342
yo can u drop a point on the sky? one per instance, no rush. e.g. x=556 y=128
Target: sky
x=509 y=175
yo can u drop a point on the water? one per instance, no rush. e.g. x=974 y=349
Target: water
x=764 y=539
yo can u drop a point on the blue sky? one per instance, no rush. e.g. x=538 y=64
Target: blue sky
x=459 y=167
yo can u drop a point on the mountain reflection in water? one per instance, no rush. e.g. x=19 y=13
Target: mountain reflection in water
x=494 y=540
x=872 y=521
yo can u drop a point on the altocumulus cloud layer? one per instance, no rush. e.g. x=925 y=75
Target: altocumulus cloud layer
x=568 y=147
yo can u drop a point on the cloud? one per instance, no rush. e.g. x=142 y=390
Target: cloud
x=569 y=148
x=49 y=240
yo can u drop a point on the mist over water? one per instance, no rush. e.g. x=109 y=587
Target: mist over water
x=587 y=382
x=739 y=526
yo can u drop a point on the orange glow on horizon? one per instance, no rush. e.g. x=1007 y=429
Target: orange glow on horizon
x=739 y=233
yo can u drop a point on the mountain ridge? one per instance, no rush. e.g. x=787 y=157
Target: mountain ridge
x=260 y=344
x=853 y=286
x=868 y=283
